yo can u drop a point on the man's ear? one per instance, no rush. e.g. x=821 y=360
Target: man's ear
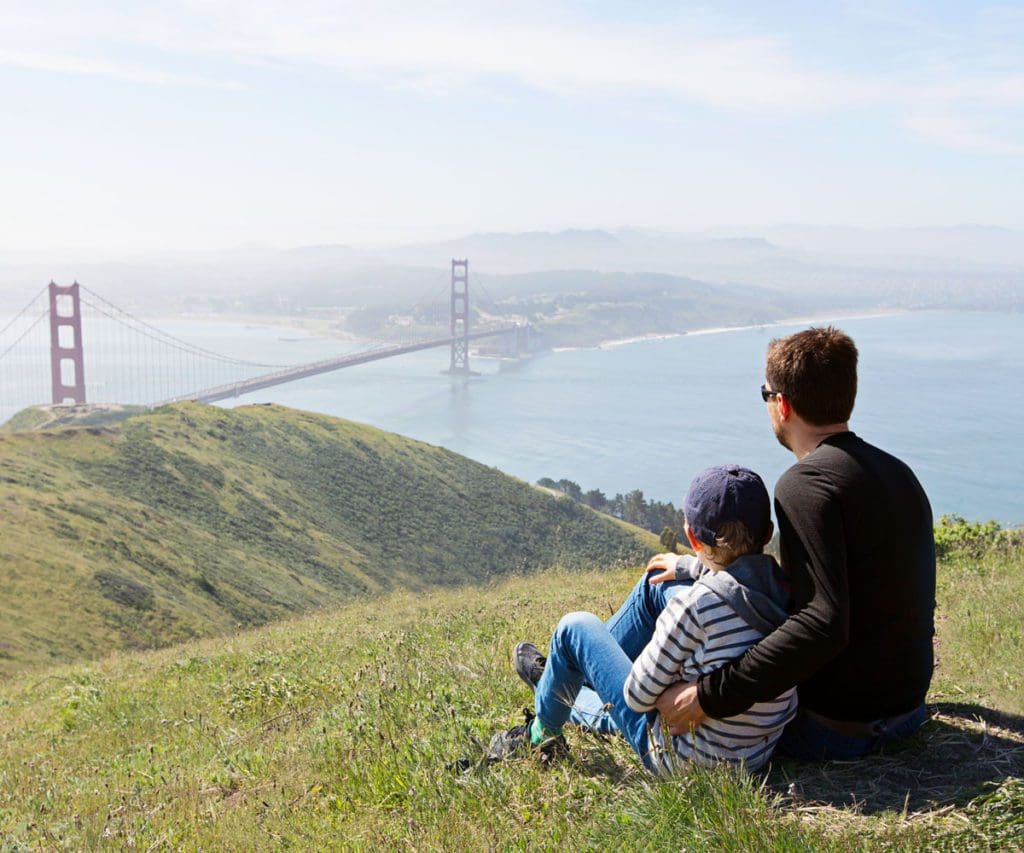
x=785 y=409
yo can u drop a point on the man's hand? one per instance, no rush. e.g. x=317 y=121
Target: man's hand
x=680 y=709
x=665 y=565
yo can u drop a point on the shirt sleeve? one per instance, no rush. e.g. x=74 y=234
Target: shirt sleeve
x=677 y=635
x=814 y=550
x=689 y=567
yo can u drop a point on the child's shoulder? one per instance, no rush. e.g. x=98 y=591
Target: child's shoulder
x=703 y=596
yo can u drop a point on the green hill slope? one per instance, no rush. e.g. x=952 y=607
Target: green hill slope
x=193 y=520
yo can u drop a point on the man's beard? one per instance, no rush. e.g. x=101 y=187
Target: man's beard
x=780 y=434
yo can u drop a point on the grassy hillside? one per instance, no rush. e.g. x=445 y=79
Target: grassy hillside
x=334 y=731
x=52 y=417
x=193 y=520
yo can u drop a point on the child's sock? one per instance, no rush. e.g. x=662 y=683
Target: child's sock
x=538 y=732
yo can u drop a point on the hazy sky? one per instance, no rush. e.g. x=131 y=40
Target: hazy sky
x=202 y=124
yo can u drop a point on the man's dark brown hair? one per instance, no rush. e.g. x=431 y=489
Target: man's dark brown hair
x=817 y=371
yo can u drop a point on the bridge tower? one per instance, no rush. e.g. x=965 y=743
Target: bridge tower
x=67 y=371
x=460 y=317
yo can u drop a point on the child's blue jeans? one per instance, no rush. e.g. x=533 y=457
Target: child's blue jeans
x=589 y=660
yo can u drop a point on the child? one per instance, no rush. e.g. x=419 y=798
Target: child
x=685 y=621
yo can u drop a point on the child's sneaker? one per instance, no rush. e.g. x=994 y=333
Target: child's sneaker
x=528 y=663
x=517 y=742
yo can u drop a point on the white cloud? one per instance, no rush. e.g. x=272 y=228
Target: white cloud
x=1005 y=90
x=960 y=133
x=449 y=45
x=440 y=46
x=464 y=44
x=104 y=68
x=747 y=73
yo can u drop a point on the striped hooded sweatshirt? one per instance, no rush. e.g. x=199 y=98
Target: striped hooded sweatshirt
x=719 y=617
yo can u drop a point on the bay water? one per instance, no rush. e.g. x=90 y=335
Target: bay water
x=941 y=390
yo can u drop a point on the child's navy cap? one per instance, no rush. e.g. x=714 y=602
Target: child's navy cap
x=727 y=493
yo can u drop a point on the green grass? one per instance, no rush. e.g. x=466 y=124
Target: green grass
x=26 y=420
x=981 y=627
x=193 y=521
x=333 y=731
x=53 y=417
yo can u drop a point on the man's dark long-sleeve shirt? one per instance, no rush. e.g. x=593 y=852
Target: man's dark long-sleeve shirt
x=857 y=542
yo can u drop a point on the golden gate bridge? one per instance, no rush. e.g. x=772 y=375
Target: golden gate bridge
x=44 y=357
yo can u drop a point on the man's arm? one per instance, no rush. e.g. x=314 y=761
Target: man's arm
x=680 y=708
x=814 y=554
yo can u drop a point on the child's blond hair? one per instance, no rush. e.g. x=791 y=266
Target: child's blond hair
x=734 y=540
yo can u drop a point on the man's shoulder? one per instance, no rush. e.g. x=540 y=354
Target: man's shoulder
x=823 y=473
x=841 y=454
x=846 y=468
x=853 y=461
x=814 y=473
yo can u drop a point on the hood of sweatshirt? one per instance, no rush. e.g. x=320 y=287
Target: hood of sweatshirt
x=755 y=587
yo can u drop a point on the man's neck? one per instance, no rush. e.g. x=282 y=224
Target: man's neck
x=808 y=437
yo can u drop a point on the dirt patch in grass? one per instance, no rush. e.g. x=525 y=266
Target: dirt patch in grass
x=961 y=752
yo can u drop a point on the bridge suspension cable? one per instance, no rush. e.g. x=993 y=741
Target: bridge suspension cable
x=119 y=315
x=22 y=312
x=478 y=286
x=25 y=333
x=133 y=362
x=24 y=378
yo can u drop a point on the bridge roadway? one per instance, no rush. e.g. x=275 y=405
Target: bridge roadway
x=290 y=374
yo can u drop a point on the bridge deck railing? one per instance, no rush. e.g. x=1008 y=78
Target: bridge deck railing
x=301 y=371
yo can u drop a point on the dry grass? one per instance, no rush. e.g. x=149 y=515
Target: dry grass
x=961 y=752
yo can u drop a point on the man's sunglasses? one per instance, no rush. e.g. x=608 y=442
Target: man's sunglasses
x=768 y=393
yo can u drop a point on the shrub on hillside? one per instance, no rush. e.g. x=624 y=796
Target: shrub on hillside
x=954 y=534
x=669 y=540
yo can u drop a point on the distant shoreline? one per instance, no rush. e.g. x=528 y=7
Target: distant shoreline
x=613 y=343
x=314 y=328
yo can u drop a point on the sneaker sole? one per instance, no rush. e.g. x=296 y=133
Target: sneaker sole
x=515 y=666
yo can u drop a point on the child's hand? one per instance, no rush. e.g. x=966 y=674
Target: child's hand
x=665 y=566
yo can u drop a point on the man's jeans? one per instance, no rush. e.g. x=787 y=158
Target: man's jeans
x=812 y=740
x=588 y=663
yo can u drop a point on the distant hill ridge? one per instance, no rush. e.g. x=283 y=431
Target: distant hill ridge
x=193 y=520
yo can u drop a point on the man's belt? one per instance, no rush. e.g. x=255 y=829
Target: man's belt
x=856 y=728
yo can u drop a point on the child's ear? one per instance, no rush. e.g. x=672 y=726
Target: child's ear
x=771 y=531
x=695 y=543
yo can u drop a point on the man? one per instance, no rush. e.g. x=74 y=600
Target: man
x=856 y=538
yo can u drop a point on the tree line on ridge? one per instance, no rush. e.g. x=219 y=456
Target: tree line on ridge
x=655 y=516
